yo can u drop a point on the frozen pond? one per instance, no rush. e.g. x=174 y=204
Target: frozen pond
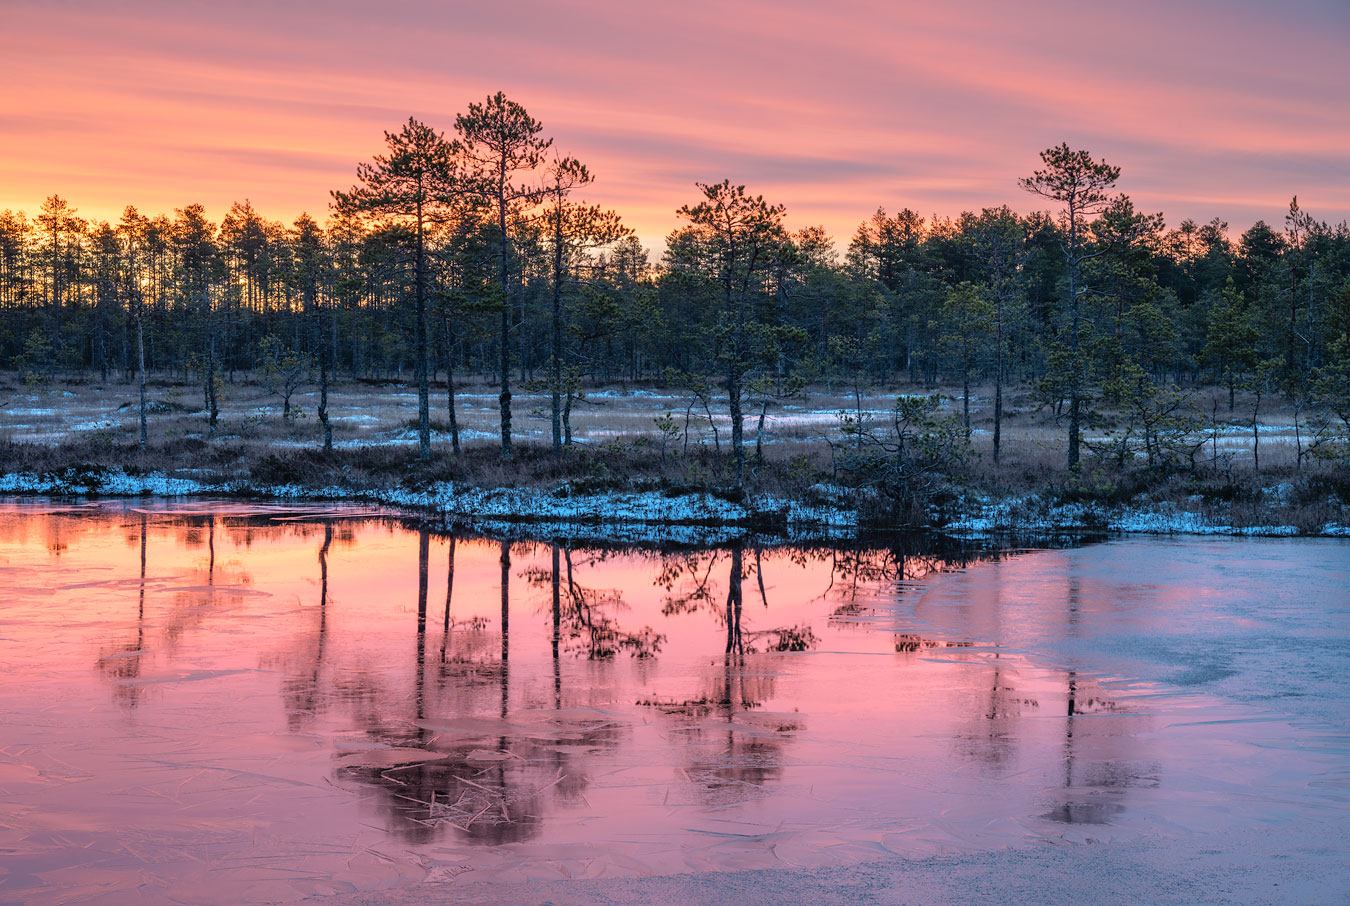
x=226 y=703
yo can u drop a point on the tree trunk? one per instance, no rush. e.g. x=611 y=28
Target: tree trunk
x=504 y=398
x=965 y=399
x=998 y=390
x=737 y=429
x=450 y=410
x=140 y=348
x=717 y=437
x=857 y=408
x=555 y=363
x=450 y=382
x=423 y=385
x=1256 y=433
x=759 y=434
x=323 y=401
x=567 y=420
x=212 y=404
x=1076 y=366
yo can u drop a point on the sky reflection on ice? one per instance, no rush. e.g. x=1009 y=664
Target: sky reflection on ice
x=245 y=704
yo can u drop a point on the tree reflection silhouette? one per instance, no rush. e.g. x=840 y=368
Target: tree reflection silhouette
x=490 y=786
x=506 y=626
x=301 y=694
x=586 y=617
x=449 y=595
x=555 y=637
x=735 y=641
x=734 y=760
x=592 y=621
x=1099 y=767
x=423 y=553
x=220 y=585
x=122 y=665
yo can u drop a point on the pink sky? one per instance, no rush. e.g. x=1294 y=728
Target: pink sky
x=1211 y=108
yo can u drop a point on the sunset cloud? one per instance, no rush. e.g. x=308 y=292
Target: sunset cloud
x=1211 y=109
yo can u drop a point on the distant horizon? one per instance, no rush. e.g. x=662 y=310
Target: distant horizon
x=832 y=115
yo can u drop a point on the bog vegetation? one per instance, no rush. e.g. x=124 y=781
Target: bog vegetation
x=473 y=257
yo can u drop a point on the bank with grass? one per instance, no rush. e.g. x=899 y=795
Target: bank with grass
x=626 y=488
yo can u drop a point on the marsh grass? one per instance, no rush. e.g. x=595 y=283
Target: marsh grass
x=92 y=426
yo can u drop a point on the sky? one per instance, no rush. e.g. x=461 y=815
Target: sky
x=1212 y=108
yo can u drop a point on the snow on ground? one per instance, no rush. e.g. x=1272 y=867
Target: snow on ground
x=363 y=415
x=638 y=511
x=1033 y=515
x=1030 y=515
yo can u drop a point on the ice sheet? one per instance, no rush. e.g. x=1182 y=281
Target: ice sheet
x=255 y=704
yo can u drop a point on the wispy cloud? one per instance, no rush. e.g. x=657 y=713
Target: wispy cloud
x=1212 y=108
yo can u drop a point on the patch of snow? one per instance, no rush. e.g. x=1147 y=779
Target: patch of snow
x=1034 y=514
x=627 y=394
x=471 y=505
x=115 y=483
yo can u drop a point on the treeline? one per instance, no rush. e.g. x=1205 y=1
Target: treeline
x=473 y=254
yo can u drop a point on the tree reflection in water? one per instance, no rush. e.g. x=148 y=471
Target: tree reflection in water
x=733 y=758
x=300 y=691
x=733 y=752
x=519 y=711
x=461 y=750
x=585 y=619
x=307 y=731
x=122 y=663
x=490 y=780
x=1100 y=761
x=191 y=598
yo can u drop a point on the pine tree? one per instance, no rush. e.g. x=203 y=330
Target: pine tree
x=1080 y=184
x=501 y=141
x=417 y=184
x=572 y=229
x=740 y=235
x=1230 y=341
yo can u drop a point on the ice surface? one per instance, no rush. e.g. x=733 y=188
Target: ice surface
x=257 y=702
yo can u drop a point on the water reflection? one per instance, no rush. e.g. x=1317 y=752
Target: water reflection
x=301 y=692
x=265 y=678
x=121 y=663
x=492 y=781
x=735 y=754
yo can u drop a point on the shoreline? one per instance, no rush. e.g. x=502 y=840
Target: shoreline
x=638 y=514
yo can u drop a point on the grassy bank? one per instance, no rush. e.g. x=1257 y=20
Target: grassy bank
x=81 y=439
